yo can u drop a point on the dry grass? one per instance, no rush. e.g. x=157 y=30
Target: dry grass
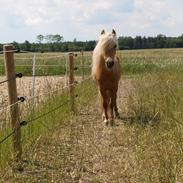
x=144 y=147
x=81 y=150
x=136 y=150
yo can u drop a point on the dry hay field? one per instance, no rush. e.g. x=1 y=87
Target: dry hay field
x=25 y=86
x=145 y=145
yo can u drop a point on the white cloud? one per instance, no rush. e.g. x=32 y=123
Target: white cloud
x=84 y=19
x=33 y=21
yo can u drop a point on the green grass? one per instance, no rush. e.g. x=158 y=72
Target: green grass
x=36 y=128
x=145 y=61
x=132 y=62
x=46 y=64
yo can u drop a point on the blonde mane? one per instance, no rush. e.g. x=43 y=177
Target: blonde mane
x=105 y=43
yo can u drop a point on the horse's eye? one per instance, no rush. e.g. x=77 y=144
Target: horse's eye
x=115 y=46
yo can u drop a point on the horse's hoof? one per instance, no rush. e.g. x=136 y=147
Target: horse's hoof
x=111 y=122
x=106 y=122
x=117 y=116
x=103 y=117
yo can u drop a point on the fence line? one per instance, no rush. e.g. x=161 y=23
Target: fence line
x=8 y=51
x=69 y=71
x=63 y=65
x=41 y=58
x=22 y=99
x=24 y=123
x=19 y=75
x=9 y=106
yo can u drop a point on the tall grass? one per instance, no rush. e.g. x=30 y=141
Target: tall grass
x=153 y=133
x=50 y=118
x=155 y=112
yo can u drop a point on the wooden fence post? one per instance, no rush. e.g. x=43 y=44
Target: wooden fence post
x=71 y=81
x=12 y=93
x=82 y=65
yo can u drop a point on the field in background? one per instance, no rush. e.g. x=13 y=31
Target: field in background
x=133 y=62
x=47 y=63
x=147 y=146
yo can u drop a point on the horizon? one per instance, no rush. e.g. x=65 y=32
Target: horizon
x=84 y=20
x=93 y=39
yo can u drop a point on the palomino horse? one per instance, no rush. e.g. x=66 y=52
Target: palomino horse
x=106 y=72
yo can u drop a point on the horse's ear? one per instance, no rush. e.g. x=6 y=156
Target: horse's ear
x=113 y=32
x=103 y=31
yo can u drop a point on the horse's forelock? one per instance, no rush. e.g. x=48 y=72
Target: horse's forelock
x=107 y=41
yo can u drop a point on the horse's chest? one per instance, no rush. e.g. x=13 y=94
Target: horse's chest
x=107 y=76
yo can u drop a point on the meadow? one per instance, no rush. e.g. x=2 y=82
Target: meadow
x=145 y=146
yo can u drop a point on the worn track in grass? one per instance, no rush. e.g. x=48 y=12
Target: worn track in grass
x=81 y=150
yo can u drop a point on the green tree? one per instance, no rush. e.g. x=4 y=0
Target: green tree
x=160 y=41
x=26 y=46
x=49 y=38
x=40 y=38
x=57 y=38
x=138 y=42
x=54 y=38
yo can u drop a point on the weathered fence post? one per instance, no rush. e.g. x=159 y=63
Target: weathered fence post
x=82 y=65
x=71 y=81
x=12 y=93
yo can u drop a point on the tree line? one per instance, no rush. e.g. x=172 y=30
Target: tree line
x=56 y=43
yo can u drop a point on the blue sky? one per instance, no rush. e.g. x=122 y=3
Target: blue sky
x=22 y=20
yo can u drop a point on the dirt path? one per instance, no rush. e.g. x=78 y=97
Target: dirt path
x=82 y=150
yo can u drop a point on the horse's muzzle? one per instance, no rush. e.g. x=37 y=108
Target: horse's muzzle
x=109 y=63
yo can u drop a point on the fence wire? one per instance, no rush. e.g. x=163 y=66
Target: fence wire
x=23 y=123
x=19 y=75
x=78 y=92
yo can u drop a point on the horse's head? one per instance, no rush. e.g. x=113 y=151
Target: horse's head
x=109 y=43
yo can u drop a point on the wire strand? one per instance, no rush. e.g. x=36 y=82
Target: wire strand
x=9 y=106
x=19 y=75
x=59 y=89
x=9 y=51
x=23 y=123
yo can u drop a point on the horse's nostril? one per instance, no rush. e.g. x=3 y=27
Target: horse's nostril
x=110 y=64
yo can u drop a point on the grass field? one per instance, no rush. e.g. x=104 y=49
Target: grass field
x=147 y=146
x=133 y=62
x=46 y=63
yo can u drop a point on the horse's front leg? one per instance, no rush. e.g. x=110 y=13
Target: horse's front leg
x=115 y=105
x=112 y=106
x=104 y=106
x=116 y=110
